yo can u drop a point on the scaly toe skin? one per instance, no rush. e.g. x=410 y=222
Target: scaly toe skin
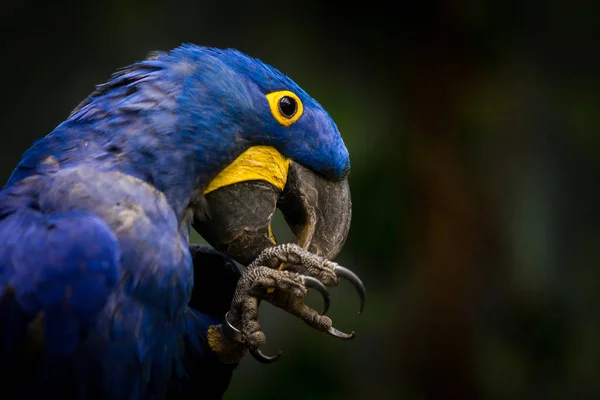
x=309 y=315
x=256 y=339
x=287 y=290
x=298 y=260
x=306 y=263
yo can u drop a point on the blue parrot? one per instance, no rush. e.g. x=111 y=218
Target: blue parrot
x=101 y=293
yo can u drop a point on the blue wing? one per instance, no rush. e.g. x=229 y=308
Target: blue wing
x=56 y=272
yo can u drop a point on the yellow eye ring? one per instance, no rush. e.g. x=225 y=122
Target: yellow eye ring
x=285 y=106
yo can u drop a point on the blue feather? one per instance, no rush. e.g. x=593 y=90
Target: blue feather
x=95 y=245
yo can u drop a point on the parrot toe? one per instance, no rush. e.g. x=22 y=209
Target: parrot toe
x=287 y=290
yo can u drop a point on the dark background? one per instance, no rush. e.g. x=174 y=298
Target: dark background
x=473 y=132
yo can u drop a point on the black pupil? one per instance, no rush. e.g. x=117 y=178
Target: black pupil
x=288 y=106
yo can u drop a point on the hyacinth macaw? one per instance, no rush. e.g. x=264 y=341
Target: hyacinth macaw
x=101 y=294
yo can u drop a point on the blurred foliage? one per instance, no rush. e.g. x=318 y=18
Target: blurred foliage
x=473 y=133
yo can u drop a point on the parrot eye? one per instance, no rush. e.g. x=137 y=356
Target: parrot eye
x=285 y=106
x=288 y=106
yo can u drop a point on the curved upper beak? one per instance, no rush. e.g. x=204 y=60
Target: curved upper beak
x=317 y=210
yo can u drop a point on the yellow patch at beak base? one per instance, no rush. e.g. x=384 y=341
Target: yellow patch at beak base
x=258 y=163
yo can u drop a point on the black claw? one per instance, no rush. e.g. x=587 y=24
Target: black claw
x=314 y=283
x=337 y=333
x=355 y=280
x=260 y=357
x=230 y=331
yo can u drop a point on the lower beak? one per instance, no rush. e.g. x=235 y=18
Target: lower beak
x=317 y=210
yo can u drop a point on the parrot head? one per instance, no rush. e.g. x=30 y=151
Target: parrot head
x=293 y=158
x=227 y=128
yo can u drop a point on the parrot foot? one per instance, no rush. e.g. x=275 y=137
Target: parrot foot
x=292 y=257
x=285 y=289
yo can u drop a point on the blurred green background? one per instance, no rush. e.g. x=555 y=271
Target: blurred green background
x=473 y=134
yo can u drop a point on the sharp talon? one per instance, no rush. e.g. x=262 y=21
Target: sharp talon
x=337 y=333
x=355 y=280
x=260 y=357
x=314 y=283
x=230 y=331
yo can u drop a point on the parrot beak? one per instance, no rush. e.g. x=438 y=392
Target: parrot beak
x=317 y=210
